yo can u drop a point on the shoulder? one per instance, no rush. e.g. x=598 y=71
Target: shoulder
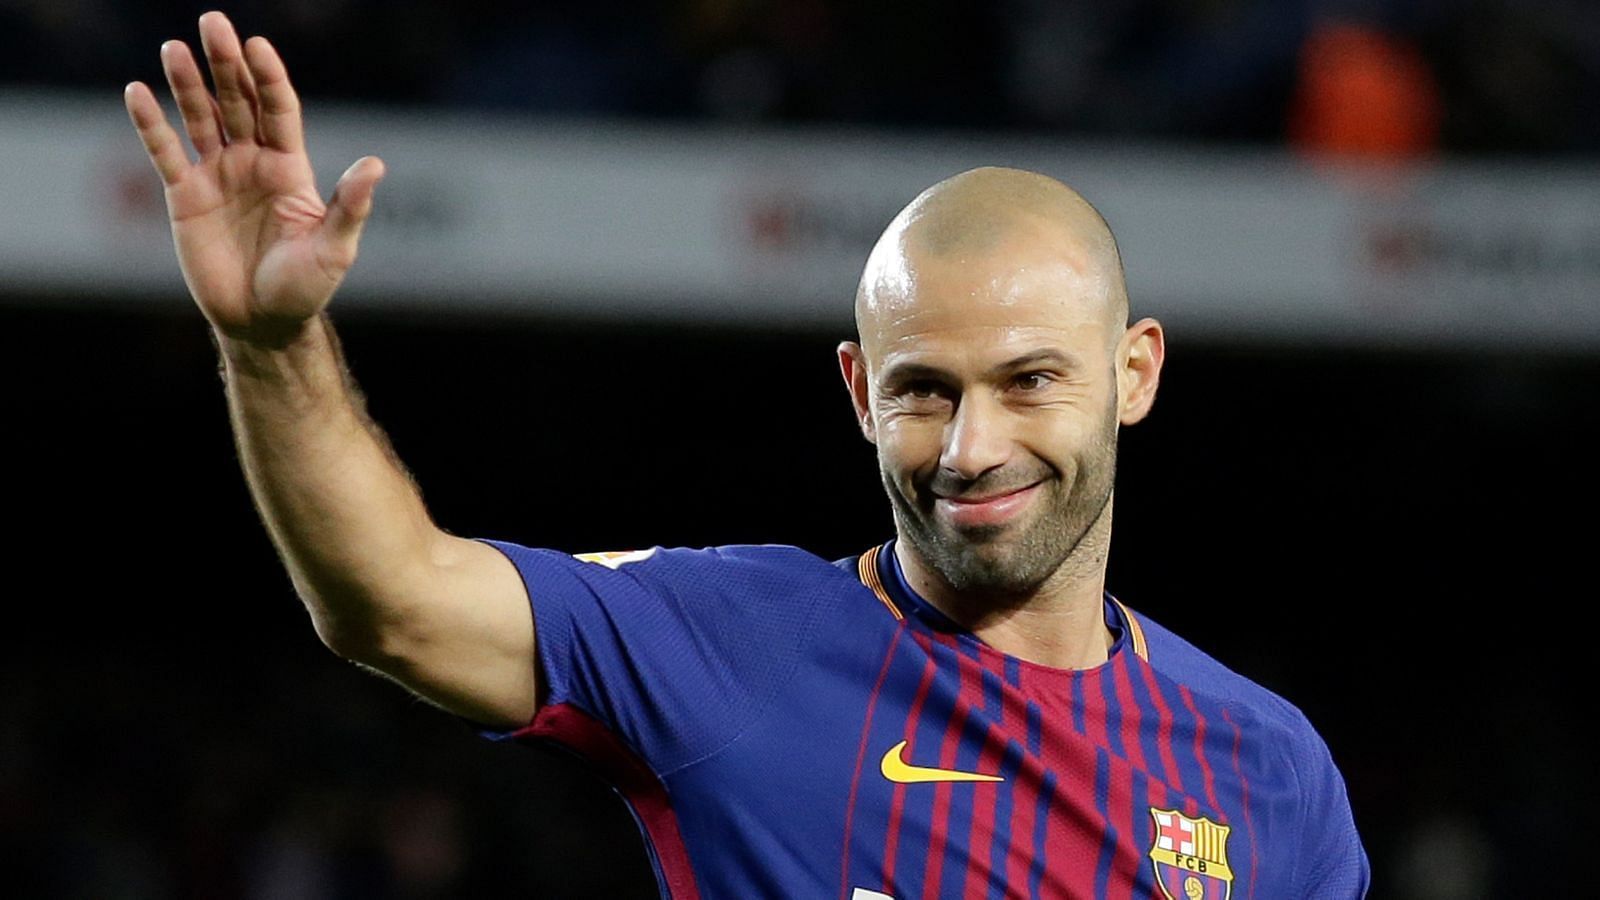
x=756 y=562
x=1252 y=705
x=741 y=566
x=1331 y=861
x=778 y=582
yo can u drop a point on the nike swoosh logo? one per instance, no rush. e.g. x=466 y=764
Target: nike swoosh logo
x=897 y=770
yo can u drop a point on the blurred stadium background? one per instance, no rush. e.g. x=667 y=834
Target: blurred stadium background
x=596 y=310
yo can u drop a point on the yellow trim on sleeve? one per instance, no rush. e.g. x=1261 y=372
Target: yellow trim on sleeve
x=1135 y=631
x=867 y=570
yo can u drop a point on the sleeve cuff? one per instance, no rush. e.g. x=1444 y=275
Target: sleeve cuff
x=547 y=578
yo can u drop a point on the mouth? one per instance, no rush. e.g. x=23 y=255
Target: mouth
x=995 y=509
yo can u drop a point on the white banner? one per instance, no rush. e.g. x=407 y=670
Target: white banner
x=771 y=227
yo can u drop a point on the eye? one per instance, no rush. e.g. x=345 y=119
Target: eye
x=923 y=396
x=1031 y=381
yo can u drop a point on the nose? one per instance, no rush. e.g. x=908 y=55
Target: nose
x=976 y=439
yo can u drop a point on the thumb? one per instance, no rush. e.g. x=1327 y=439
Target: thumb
x=351 y=204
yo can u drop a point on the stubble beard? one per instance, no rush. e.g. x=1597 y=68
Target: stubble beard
x=1013 y=560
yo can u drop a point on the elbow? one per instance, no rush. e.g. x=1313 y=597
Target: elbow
x=344 y=640
x=350 y=635
x=375 y=625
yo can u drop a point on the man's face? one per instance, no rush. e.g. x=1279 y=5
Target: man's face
x=993 y=403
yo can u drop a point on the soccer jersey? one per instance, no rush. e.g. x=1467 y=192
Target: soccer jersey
x=783 y=726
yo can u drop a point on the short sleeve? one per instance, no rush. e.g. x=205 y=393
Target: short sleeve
x=675 y=651
x=1333 y=863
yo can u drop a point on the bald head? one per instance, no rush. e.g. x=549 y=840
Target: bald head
x=994 y=369
x=997 y=220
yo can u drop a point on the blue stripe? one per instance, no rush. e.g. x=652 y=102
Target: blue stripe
x=1141 y=810
x=1077 y=703
x=1108 y=693
x=991 y=695
x=916 y=818
x=1013 y=672
x=1033 y=727
x=1220 y=738
x=963 y=796
x=1108 y=843
x=1150 y=721
x=1184 y=725
x=1010 y=765
x=1041 y=821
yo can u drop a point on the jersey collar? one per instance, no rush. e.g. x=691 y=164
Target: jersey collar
x=880 y=570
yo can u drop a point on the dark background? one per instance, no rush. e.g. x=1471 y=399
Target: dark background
x=1398 y=540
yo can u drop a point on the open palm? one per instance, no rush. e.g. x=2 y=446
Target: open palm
x=259 y=249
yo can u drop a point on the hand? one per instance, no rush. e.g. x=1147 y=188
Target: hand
x=260 y=251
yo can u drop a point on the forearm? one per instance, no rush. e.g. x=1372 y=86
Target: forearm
x=344 y=515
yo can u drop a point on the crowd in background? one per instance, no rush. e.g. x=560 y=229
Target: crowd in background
x=1491 y=77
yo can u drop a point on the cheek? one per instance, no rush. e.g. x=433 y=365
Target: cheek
x=909 y=445
x=1067 y=438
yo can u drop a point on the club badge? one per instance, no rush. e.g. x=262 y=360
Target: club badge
x=1191 y=857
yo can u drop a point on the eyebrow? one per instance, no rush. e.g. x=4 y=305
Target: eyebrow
x=900 y=373
x=1059 y=358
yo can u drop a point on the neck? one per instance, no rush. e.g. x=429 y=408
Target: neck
x=1061 y=623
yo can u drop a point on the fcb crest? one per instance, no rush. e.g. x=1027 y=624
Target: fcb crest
x=1190 y=856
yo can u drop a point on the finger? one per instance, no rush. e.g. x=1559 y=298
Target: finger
x=161 y=142
x=236 y=92
x=350 y=207
x=216 y=109
x=194 y=101
x=279 y=124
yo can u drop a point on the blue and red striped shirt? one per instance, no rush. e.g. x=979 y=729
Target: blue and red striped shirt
x=783 y=726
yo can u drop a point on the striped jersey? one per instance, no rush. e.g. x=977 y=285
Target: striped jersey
x=786 y=726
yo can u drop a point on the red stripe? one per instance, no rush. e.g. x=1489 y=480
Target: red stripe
x=938 y=832
x=1025 y=791
x=1244 y=784
x=909 y=732
x=1200 y=747
x=1119 y=804
x=983 y=805
x=1161 y=801
x=861 y=754
x=1074 y=831
x=1081 y=877
x=1163 y=726
x=1131 y=719
x=1094 y=707
x=573 y=728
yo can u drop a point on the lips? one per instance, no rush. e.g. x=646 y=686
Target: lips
x=996 y=509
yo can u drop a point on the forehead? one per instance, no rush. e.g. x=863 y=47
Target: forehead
x=980 y=308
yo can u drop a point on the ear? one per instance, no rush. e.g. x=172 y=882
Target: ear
x=1140 y=354
x=853 y=366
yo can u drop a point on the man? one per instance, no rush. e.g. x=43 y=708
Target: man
x=960 y=712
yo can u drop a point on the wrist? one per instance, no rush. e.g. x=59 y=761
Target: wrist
x=273 y=351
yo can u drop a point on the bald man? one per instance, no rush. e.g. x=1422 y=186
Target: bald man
x=961 y=711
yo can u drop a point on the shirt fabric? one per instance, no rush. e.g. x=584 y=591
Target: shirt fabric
x=786 y=726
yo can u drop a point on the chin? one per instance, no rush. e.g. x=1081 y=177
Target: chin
x=989 y=566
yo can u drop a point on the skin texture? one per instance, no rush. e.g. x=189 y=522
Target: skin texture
x=262 y=255
x=994 y=369
x=260 y=250
x=978 y=271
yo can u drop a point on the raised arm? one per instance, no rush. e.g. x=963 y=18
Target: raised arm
x=262 y=255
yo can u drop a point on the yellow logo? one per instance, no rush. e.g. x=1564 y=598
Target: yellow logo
x=897 y=770
x=613 y=558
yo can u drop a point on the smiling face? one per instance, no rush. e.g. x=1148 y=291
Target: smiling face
x=990 y=375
